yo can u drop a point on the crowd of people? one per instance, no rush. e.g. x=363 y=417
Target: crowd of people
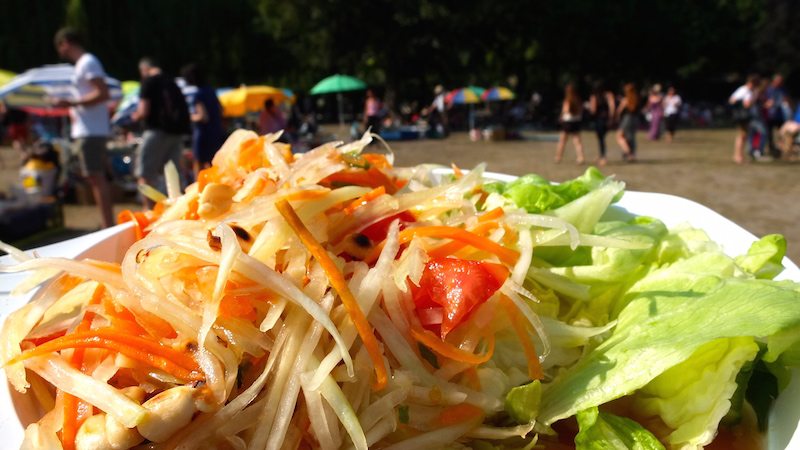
x=760 y=107
x=606 y=111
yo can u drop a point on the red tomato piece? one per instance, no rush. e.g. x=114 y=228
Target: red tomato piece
x=458 y=286
x=377 y=231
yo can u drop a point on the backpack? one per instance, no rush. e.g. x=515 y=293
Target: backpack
x=175 y=112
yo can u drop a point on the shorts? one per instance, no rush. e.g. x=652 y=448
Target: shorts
x=571 y=127
x=157 y=148
x=92 y=155
x=672 y=123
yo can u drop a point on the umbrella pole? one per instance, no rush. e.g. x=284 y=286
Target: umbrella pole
x=471 y=117
x=341 y=112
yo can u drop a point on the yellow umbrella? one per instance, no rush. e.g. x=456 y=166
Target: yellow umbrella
x=240 y=101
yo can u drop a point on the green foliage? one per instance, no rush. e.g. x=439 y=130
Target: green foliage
x=408 y=47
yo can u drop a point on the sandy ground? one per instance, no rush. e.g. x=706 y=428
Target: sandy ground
x=758 y=196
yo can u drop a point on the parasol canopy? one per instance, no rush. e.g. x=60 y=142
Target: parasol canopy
x=466 y=95
x=497 y=93
x=338 y=83
x=242 y=100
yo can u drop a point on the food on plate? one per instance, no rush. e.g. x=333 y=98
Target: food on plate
x=331 y=300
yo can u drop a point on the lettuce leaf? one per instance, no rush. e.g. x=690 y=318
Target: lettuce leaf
x=603 y=431
x=665 y=326
x=522 y=402
x=693 y=396
x=765 y=256
x=536 y=194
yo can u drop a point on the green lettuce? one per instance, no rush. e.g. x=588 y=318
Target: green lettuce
x=603 y=431
x=694 y=395
x=661 y=328
x=522 y=402
x=765 y=256
x=536 y=194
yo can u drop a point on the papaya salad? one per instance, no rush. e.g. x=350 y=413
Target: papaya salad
x=332 y=300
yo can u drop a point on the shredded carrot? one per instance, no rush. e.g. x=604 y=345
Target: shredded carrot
x=528 y=346
x=450 y=248
x=364 y=199
x=191 y=213
x=206 y=176
x=76 y=411
x=506 y=255
x=339 y=283
x=457 y=173
x=238 y=306
x=459 y=413
x=139 y=348
x=447 y=350
x=251 y=154
x=377 y=160
x=472 y=378
x=121 y=319
x=155 y=326
x=307 y=194
x=493 y=214
x=139 y=219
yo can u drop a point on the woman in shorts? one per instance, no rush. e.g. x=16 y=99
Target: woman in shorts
x=570 y=119
x=742 y=102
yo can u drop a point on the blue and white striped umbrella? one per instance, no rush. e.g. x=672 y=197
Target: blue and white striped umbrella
x=54 y=80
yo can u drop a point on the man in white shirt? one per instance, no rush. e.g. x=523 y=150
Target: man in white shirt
x=90 y=117
x=742 y=101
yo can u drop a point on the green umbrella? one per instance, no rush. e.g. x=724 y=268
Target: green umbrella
x=336 y=84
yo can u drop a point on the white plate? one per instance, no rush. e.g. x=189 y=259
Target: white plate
x=110 y=245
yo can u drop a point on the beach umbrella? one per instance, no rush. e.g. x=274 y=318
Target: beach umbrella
x=27 y=97
x=336 y=84
x=466 y=95
x=290 y=97
x=32 y=89
x=129 y=86
x=497 y=93
x=242 y=100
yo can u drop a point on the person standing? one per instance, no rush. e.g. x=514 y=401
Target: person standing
x=655 y=107
x=777 y=109
x=163 y=110
x=602 y=109
x=271 y=118
x=570 y=118
x=742 y=101
x=91 y=125
x=672 y=111
x=438 y=112
x=206 y=115
x=628 y=118
x=372 y=112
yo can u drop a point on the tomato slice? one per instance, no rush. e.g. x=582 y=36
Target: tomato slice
x=457 y=286
x=377 y=231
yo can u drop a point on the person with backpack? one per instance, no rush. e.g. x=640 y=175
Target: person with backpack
x=164 y=113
